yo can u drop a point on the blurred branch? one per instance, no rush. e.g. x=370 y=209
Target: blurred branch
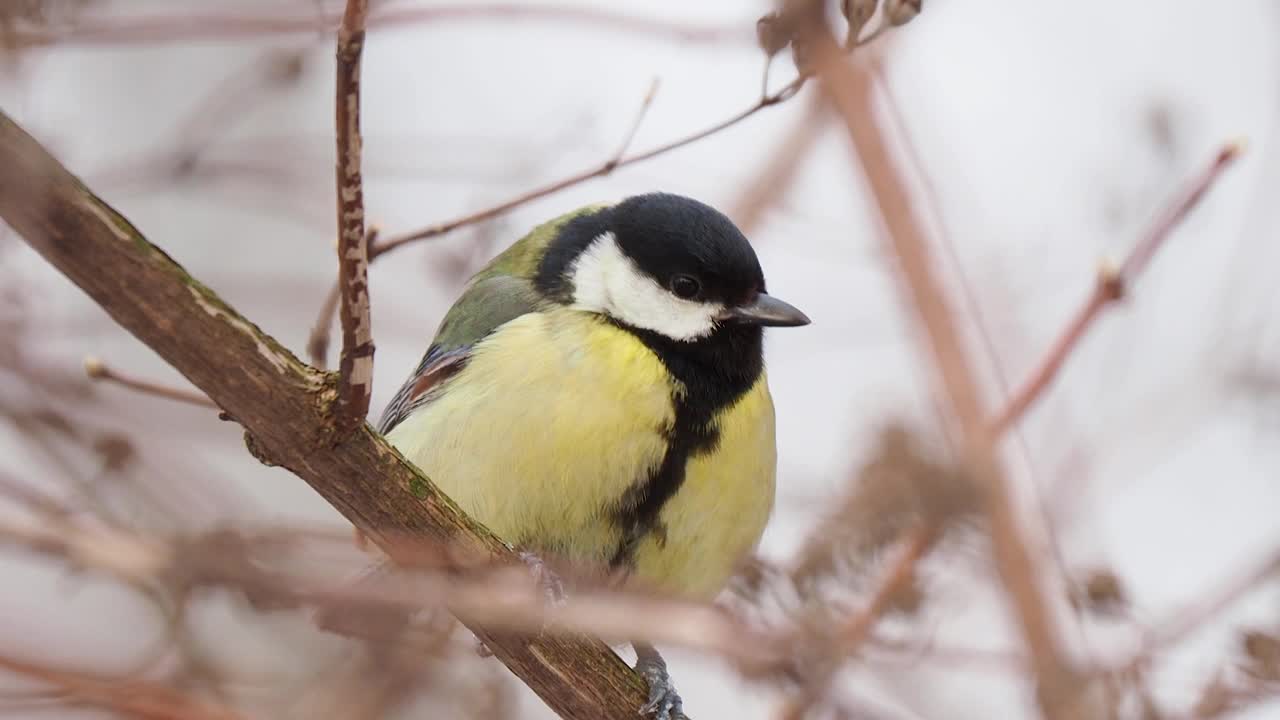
x=133 y=698
x=502 y=598
x=98 y=370
x=1195 y=616
x=635 y=123
x=188 y=26
x=1111 y=286
x=851 y=89
x=355 y=368
x=282 y=403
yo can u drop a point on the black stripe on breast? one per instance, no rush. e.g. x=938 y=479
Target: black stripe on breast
x=715 y=372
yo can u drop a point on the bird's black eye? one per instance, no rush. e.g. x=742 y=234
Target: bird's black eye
x=685 y=287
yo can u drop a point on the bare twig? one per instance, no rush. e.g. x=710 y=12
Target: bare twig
x=98 y=370
x=850 y=87
x=319 y=338
x=1184 y=622
x=635 y=123
x=355 y=381
x=1111 y=286
x=600 y=170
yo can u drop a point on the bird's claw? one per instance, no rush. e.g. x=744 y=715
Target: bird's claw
x=548 y=581
x=664 y=702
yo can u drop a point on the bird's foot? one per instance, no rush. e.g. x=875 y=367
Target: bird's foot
x=548 y=581
x=664 y=702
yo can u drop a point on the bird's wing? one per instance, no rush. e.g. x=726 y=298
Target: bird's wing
x=502 y=291
x=488 y=303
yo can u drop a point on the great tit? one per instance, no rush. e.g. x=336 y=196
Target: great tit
x=597 y=395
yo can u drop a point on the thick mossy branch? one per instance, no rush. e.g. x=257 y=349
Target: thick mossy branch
x=281 y=402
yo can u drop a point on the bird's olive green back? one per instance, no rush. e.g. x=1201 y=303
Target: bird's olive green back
x=502 y=290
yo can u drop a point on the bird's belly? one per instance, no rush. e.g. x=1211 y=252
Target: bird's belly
x=720 y=511
x=546 y=427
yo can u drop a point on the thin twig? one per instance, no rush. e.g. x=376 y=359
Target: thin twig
x=355 y=368
x=604 y=168
x=1184 y=622
x=1111 y=286
x=98 y=370
x=319 y=338
x=636 y=122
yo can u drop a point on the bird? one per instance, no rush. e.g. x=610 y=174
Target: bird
x=597 y=394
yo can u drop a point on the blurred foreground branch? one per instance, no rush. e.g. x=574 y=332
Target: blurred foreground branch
x=135 y=698
x=282 y=403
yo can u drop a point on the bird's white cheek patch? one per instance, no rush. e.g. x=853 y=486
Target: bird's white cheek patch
x=607 y=281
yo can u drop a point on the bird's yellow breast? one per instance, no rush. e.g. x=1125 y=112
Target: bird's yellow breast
x=557 y=415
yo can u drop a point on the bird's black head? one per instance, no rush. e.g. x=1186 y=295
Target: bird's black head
x=663 y=264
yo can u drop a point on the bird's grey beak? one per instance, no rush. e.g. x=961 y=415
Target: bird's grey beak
x=766 y=310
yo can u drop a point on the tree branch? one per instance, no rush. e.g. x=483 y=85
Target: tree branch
x=98 y=370
x=355 y=368
x=283 y=405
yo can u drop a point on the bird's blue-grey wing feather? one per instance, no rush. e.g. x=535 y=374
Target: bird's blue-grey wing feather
x=487 y=304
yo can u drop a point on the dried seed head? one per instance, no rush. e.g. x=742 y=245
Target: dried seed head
x=1263 y=651
x=901 y=12
x=801 y=56
x=1100 y=592
x=857 y=13
x=285 y=68
x=773 y=33
x=902 y=486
